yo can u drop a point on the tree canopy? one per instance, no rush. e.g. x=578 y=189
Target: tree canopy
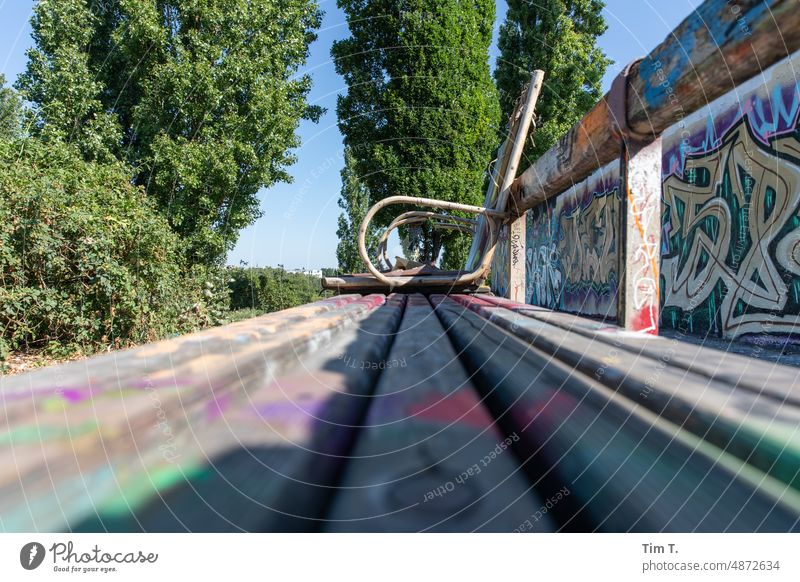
x=61 y=85
x=354 y=202
x=201 y=97
x=10 y=111
x=421 y=112
x=150 y=126
x=559 y=37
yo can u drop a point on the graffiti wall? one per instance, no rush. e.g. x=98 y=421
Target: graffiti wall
x=571 y=250
x=500 y=265
x=730 y=256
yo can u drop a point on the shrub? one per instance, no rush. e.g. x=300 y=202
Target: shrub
x=271 y=289
x=85 y=259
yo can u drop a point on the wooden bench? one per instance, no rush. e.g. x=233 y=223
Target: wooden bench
x=440 y=411
x=404 y=413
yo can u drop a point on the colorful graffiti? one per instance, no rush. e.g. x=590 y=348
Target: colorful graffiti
x=571 y=247
x=500 y=265
x=731 y=212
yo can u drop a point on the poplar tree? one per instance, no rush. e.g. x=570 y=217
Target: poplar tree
x=559 y=37
x=61 y=85
x=10 y=111
x=421 y=113
x=354 y=202
x=201 y=98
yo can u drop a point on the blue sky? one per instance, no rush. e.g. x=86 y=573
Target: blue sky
x=298 y=228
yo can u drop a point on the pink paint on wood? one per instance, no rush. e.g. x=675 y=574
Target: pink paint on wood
x=460 y=407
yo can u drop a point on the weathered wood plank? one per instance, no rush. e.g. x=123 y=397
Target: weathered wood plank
x=779 y=382
x=626 y=468
x=589 y=145
x=271 y=462
x=718 y=46
x=761 y=431
x=104 y=431
x=430 y=457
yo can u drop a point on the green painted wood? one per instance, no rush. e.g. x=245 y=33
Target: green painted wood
x=627 y=469
x=430 y=457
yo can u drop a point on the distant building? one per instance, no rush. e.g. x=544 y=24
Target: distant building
x=310 y=273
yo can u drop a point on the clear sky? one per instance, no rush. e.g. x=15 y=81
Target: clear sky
x=298 y=229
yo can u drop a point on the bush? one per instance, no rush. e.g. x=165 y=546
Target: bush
x=244 y=314
x=271 y=289
x=85 y=259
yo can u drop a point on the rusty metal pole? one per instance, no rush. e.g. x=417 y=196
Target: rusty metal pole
x=516 y=227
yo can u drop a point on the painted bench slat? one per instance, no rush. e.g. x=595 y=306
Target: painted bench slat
x=627 y=469
x=759 y=430
x=80 y=436
x=426 y=458
x=779 y=382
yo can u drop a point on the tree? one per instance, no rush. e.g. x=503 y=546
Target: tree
x=421 y=113
x=10 y=111
x=559 y=37
x=354 y=201
x=60 y=84
x=206 y=92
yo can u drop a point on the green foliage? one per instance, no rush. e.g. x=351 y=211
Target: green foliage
x=271 y=289
x=210 y=286
x=559 y=37
x=10 y=111
x=243 y=314
x=201 y=97
x=152 y=126
x=455 y=253
x=210 y=100
x=421 y=113
x=85 y=259
x=61 y=85
x=354 y=201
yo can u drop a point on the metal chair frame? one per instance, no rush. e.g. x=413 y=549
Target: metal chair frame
x=490 y=217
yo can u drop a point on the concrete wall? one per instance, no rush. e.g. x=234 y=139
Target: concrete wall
x=730 y=256
x=500 y=265
x=571 y=250
x=730 y=244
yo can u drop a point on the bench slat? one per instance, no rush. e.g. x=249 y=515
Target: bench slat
x=759 y=430
x=427 y=458
x=773 y=380
x=110 y=431
x=627 y=469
